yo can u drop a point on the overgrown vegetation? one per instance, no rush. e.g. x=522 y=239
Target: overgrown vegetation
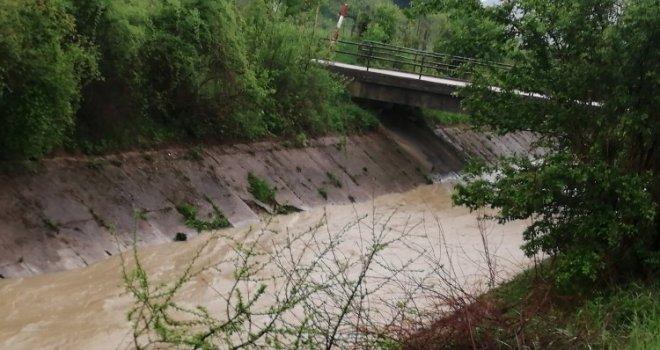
x=434 y=117
x=95 y=75
x=323 y=192
x=592 y=195
x=261 y=190
x=190 y=214
x=528 y=313
x=583 y=80
x=43 y=66
x=101 y=74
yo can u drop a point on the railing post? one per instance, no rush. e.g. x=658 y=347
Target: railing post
x=421 y=67
x=371 y=50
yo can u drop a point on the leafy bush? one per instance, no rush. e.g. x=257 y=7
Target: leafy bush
x=350 y=118
x=42 y=66
x=195 y=67
x=173 y=69
x=105 y=74
x=378 y=21
x=302 y=97
x=112 y=109
x=593 y=195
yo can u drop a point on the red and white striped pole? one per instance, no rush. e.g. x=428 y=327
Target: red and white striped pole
x=335 y=35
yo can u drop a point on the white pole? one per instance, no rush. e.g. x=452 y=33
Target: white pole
x=335 y=35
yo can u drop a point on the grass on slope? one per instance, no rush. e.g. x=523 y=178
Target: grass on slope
x=527 y=313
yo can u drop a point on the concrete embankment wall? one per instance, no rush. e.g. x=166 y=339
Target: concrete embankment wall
x=70 y=212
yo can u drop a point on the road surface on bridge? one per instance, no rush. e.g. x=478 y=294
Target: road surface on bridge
x=457 y=83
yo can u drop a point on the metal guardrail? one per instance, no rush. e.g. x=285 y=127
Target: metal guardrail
x=423 y=63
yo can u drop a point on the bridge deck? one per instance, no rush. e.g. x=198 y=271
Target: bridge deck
x=397 y=87
x=413 y=83
x=444 y=81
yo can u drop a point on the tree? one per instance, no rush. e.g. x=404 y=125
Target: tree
x=377 y=19
x=472 y=30
x=97 y=75
x=42 y=67
x=172 y=66
x=195 y=67
x=592 y=194
x=112 y=106
x=303 y=98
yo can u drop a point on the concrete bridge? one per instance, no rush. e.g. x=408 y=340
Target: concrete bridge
x=400 y=87
x=404 y=76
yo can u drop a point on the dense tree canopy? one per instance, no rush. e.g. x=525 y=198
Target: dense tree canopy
x=102 y=74
x=42 y=66
x=593 y=194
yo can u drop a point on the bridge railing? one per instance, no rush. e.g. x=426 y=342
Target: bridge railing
x=376 y=55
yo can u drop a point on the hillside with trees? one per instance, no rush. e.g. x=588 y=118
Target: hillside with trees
x=98 y=75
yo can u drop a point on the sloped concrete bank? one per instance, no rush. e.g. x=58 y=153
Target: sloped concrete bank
x=71 y=212
x=486 y=146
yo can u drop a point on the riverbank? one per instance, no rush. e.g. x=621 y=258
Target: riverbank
x=70 y=212
x=78 y=214
x=530 y=312
x=87 y=308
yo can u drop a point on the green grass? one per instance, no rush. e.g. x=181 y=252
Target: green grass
x=626 y=317
x=645 y=332
x=261 y=190
x=189 y=212
x=444 y=118
x=95 y=164
x=323 y=192
x=334 y=180
x=528 y=312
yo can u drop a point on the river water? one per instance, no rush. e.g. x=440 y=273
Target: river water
x=87 y=308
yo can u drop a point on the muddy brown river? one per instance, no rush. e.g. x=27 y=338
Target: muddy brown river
x=87 y=308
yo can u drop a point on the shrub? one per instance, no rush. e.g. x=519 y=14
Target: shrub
x=334 y=180
x=302 y=97
x=591 y=191
x=172 y=69
x=42 y=66
x=100 y=75
x=113 y=109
